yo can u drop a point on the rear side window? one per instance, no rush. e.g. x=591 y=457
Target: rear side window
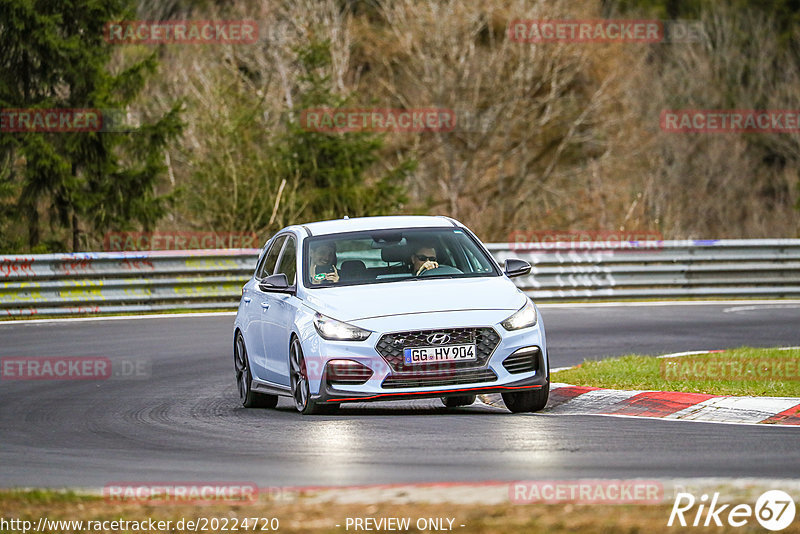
x=288 y=264
x=267 y=266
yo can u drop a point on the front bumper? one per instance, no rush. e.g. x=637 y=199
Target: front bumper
x=493 y=372
x=331 y=394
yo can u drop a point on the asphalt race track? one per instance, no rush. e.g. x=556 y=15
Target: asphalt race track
x=183 y=422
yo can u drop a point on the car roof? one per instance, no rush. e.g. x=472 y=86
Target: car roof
x=378 y=223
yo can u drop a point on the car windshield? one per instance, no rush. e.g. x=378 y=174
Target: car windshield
x=380 y=256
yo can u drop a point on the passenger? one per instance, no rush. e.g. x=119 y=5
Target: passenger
x=323 y=263
x=423 y=258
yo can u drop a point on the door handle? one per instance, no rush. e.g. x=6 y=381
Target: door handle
x=265 y=305
x=247 y=299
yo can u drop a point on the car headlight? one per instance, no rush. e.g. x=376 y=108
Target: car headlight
x=337 y=330
x=522 y=318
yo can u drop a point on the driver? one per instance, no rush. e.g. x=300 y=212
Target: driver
x=423 y=258
x=323 y=263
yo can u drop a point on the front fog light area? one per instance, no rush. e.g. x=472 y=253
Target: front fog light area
x=347 y=372
x=522 y=318
x=524 y=360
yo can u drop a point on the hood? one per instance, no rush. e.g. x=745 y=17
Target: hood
x=351 y=303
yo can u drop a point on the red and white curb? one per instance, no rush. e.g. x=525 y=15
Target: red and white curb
x=566 y=399
x=579 y=400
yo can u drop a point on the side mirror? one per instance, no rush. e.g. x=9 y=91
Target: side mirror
x=514 y=267
x=275 y=282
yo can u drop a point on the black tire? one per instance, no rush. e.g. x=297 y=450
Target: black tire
x=527 y=401
x=458 y=400
x=241 y=363
x=298 y=377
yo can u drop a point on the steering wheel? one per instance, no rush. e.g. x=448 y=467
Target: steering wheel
x=440 y=270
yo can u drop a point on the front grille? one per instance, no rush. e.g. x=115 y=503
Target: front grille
x=522 y=361
x=390 y=347
x=415 y=380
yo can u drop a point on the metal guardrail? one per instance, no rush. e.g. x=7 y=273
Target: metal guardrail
x=113 y=282
x=660 y=269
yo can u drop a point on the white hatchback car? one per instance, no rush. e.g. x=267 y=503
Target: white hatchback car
x=386 y=308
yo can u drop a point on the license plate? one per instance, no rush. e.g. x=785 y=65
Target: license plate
x=449 y=353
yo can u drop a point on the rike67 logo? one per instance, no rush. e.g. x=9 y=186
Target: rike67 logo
x=774 y=510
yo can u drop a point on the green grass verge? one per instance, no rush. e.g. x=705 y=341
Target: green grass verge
x=742 y=371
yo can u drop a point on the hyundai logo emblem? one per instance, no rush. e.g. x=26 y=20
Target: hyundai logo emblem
x=438 y=339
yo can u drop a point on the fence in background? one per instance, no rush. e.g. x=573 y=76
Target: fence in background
x=114 y=282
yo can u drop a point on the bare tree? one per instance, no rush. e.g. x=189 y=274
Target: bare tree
x=535 y=122
x=550 y=135
x=723 y=184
